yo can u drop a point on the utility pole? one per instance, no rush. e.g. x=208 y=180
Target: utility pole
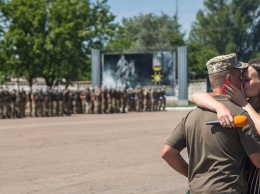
x=176 y=8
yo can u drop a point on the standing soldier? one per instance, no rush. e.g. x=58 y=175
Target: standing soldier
x=1 y=103
x=56 y=102
x=152 y=97
x=136 y=90
x=46 y=102
x=105 y=100
x=109 y=98
x=159 y=99
x=86 y=97
x=139 y=99
x=145 y=91
x=8 y=100
x=40 y=103
x=155 y=99
x=78 y=102
x=19 y=104
x=67 y=102
x=51 y=101
x=29 y=100
x=73 y=101
x=14 y=103
x=35 y=99
x=131 y=99
x=124 y=100
x=149 y=100
x=113 y=100
x=62 y=102
x=98 y=100
x=23 y=103
x=92 y=100
x=163 y=94
x=83 y=100
x=117 y=100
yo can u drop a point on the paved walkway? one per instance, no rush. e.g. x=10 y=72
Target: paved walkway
x=89 y=154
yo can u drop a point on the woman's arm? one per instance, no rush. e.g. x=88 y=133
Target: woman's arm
x=254 y=116
x=206 y=100
x=239 y=98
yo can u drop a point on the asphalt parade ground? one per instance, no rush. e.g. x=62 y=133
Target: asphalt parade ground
x=89 y=154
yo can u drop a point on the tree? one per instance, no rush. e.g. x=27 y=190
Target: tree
x=148 y=30
x=73 y=32
x=22 y=17
x=229 y=26
x=52 y=38
x=198 y=55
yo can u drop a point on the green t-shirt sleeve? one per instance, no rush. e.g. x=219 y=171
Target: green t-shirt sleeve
x=177 y=138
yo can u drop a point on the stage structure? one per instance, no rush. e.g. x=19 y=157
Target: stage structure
x=142 y=68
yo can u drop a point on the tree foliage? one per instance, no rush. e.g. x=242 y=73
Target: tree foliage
x=52 y=38
x=148 y=30
x=224 y=27
x=229 y=26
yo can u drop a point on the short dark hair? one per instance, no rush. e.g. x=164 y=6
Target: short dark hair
x=217 y=79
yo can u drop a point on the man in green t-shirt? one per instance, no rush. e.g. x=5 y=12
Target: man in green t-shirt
x=217 y=155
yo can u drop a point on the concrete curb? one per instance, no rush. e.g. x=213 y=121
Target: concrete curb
x=180 y=108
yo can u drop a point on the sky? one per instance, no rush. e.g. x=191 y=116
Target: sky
x=187 y=9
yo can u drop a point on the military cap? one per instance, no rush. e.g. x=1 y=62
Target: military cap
x=223 y=62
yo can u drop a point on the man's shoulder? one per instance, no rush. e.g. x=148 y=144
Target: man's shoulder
x=235 y=109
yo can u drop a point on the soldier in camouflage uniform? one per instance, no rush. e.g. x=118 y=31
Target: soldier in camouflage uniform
x=98 y=100
x=139 y=99
x=62 y=102
x=23 y=102
x=131 y=100
x=1 y=103
x=113 y=100
x=92 y=101
x=124 y=100
x=86 y=100
x=34 y=99
x=118 y=100
x=148 y=100
x=47 y=102
x=51 y=102
x=78 y=104
x=104 y=100
x=37 y=101
x=56 y=102
x=41 y=103
x=163 y=94
x=30 y=103
x=67 y=102
x=14 y=109
x=145 y=91
x=73 y=101
x=109 y=98
x=155 y=99
x=7 y=105
x=160 y=98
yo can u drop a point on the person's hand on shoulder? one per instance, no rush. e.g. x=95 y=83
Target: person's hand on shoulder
x=237 y=96
x=225 y=117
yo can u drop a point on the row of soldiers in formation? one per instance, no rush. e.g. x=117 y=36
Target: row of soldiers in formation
x=53 y=102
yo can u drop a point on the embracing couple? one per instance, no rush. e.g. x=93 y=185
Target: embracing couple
x=224 y=158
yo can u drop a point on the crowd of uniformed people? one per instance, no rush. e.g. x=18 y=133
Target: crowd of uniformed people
x=49 y=102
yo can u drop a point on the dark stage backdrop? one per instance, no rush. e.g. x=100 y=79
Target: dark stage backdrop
x=136 y=69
